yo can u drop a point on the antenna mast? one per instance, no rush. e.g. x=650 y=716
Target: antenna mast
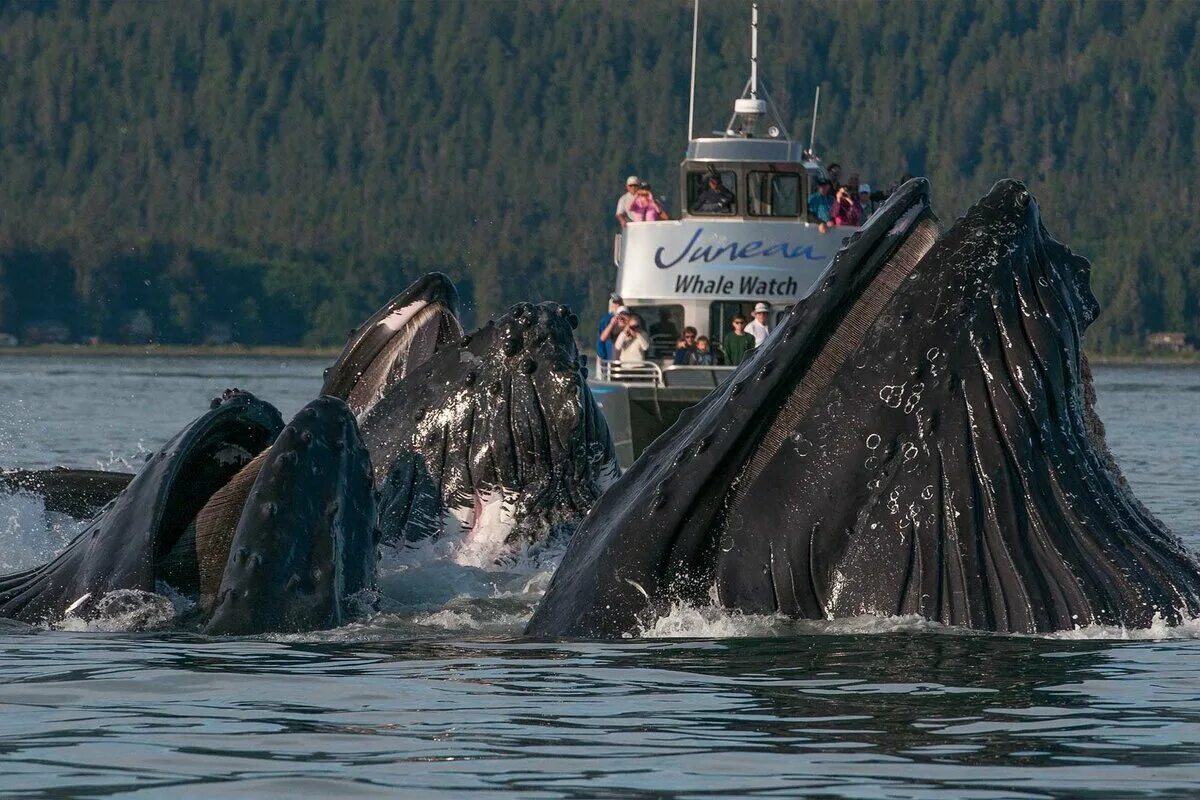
x=692 y=91
x=812 y=137
x=753 y=50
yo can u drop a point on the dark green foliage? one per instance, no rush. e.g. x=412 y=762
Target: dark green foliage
x=280 y=169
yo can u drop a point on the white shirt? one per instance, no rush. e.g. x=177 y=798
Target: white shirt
x=632 y=347
x=758 y=331
x=623 y=205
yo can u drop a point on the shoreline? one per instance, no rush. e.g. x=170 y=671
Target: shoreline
x=172 y=350
x=291 y=351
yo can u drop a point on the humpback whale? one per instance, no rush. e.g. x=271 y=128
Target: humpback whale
x=494 y=436
x=916 y=438
x=300 y=545
x=497 y=440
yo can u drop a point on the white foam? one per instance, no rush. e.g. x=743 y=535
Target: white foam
x=120 y=610
x=684 y=621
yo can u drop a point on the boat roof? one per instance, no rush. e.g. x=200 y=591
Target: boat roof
x=737 y=148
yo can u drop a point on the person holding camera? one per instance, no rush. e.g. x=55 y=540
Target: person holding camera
x=632 y=343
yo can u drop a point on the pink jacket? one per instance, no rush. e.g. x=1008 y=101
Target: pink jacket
x=847 y=213
x=645 y=211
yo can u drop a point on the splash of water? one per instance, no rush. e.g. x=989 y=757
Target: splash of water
x=29 y=534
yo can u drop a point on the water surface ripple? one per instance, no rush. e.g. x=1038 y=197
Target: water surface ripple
x=454 y=703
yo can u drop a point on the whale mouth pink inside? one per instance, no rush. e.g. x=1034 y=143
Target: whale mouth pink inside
x=415 y=331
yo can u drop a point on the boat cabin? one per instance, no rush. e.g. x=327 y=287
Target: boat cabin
x=744 y=235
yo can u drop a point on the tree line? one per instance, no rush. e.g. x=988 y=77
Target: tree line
x=272 y=171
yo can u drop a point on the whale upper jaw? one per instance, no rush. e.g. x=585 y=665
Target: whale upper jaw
x=404 y=333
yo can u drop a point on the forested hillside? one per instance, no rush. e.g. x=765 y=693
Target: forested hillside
x=275 y=170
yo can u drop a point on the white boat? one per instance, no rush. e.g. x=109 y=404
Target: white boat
x=717 y=260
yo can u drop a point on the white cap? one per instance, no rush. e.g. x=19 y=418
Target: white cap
x=623 y=310
x=633 y=179
x=864 y=187
x=761 y=307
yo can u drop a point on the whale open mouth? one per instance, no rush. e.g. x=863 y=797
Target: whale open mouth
x=126 y=547
x=400 y=336
x=418 y=330
x=915 y=438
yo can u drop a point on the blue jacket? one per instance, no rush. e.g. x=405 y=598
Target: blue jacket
x=821 y=206
x=605 y=349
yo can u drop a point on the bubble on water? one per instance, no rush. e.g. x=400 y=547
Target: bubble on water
x=873 y=441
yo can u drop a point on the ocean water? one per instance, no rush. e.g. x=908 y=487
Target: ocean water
x=440 y=697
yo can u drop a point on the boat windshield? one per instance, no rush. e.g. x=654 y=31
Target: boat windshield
x=774 y=194
x=712 y=192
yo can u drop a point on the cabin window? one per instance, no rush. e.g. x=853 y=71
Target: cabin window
x=707 y=198
x=663 y=324
x=774 y=194
x=721 y=314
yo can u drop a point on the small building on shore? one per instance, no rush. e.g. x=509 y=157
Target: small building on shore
x=1172 y=341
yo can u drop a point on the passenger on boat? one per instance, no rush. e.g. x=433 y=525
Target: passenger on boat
x=632 y=184
x=834 y=171
x=646 y=207
x=820 y=204
x=716 y=199
x=632 y=344
x=845 y=209
x=865 y=203
x=738 y=343
x=610 y=326
x=758 y=329
x=703 y=356
x=683 y=354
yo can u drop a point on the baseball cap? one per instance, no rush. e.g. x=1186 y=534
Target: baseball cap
x=761 y=307
x=633 y=179
x=616 y=298
x=623 y=310
x=864 y=187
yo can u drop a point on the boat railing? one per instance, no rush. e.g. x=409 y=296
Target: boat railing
x=696 y=377
x=617 y=250
x=644 y=373
x=648 y=373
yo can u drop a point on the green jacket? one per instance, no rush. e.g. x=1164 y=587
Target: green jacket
x=736 y=347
